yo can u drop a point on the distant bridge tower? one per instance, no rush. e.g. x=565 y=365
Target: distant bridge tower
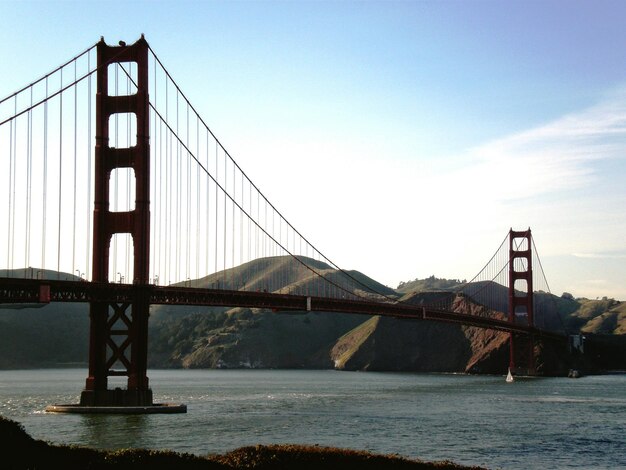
x=521 y=300
x=118 y=339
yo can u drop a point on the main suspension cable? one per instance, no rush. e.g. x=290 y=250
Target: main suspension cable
x=45 y=77
x=226 y=154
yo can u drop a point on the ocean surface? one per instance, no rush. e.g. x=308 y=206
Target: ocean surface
x=479 y=420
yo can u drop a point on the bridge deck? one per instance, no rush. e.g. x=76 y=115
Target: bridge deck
x=38 y=291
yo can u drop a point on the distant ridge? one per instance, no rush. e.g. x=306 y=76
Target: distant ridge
x=283 y=274
x=37 y=273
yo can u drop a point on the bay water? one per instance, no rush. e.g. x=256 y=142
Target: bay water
x=473 y=420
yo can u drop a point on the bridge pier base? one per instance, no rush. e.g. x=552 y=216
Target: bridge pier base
x=522 y=360
x=116 y=397
x=118 y=409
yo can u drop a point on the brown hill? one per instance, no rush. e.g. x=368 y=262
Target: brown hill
x=394 y=344
x=288 y=275
x=201 y=337
x=606 y=316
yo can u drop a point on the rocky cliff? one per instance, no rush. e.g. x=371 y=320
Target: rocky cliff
x=395 y=344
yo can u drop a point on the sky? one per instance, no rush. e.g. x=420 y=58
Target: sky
x=403 y=139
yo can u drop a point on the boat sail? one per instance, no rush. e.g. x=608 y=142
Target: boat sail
x=509 y=377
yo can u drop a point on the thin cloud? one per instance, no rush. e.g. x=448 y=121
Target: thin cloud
x=600 y=255
x=558 y=156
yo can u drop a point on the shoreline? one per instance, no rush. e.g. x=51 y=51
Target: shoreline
x=73 y=366
x=22 y=451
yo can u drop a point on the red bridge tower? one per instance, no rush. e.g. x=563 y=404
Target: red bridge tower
x=118 y=339
x=521 y=301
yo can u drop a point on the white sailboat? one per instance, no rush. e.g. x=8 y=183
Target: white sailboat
x=509 y=377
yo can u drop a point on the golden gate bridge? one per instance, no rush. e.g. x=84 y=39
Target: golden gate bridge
x=114 y=182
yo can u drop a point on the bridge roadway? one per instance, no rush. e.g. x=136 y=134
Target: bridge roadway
x=35 y=292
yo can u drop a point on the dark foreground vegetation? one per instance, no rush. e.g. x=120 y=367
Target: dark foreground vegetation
x=20 y=451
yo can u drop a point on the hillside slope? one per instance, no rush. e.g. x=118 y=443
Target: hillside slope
x=56 y=335
x=201 y=337
x=395 y=344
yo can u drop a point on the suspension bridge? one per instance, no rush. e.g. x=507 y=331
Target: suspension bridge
x=113 y=182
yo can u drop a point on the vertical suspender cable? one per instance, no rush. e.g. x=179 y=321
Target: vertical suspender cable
x=45 y=180
x=162 y=193
x=158 y=185
x=60 y=178
x=154 y=190
x=29 y=162
x=248 y=221
x=188 y=215
x=168 y=174
x=256 y=232
x=12 y=165
x=216 y=206
x=225 y=216
x=75 y=163
x=257 y=251
x=233 y=286
x=294 y=265
x=115 y=180
x=163 y=157
x=15 y=188
x=233 y=235
x=159 y=201
x=159 y=181
x=176 y=197
x=178 y=189
x=274 y=249
x=241 y=231
x=168 y=194
x=127 y=171
x=89 y=147
x=197 y=257
x=9 y=197
x=14 y=175
x=206 y=233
